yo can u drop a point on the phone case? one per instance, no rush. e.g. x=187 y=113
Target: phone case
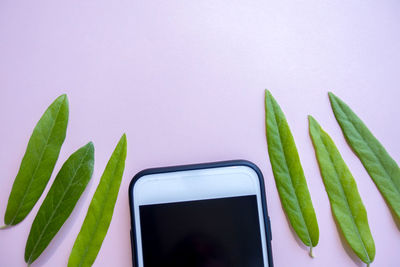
x=267 y=223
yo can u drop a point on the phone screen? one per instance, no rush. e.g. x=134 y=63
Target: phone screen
x=221 y=232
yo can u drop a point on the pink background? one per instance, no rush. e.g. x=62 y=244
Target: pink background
x=185 y=80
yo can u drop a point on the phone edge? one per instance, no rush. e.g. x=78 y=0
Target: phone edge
x=209 y=165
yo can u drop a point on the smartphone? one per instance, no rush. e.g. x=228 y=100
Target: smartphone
x=203 y=215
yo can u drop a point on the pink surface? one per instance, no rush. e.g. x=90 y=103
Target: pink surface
x=185 y=80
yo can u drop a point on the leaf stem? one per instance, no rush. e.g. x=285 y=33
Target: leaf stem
x=311 y=253
x=4 y=226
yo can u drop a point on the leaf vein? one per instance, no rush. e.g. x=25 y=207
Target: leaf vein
x=37 y=166
x=54 y=211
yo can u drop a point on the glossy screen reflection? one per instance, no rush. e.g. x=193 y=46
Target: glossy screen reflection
x=223 y=232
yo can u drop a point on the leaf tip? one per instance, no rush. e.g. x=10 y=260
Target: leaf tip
x=63 y=97
x=122 y=141
x=313 y=125
x=332 y=97
x=89 y=146
x=90 y=143
x=267 y=95
x=270 y=100
x=63 y=101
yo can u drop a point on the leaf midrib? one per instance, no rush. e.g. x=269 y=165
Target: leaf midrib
x=290 y=175
x=58 y=204
x=101 y=215
x=37 y=165
x=370 y=149
x=345 y=196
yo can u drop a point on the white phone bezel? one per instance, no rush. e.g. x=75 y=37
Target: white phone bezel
x=197 y=184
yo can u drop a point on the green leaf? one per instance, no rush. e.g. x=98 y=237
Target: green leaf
x=289 y=175
x=347 y=206
x=98 y=217
x=383 y=170
x=61 y=199
x=38 y=162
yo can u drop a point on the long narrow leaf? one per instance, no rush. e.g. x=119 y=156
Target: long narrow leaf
x=61 y=199
x=383 y=170
x=347 y=206
x=38 y=162
x=99 y=215
x=289 y=175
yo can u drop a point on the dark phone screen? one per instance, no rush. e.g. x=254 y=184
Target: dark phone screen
x=223 y=232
